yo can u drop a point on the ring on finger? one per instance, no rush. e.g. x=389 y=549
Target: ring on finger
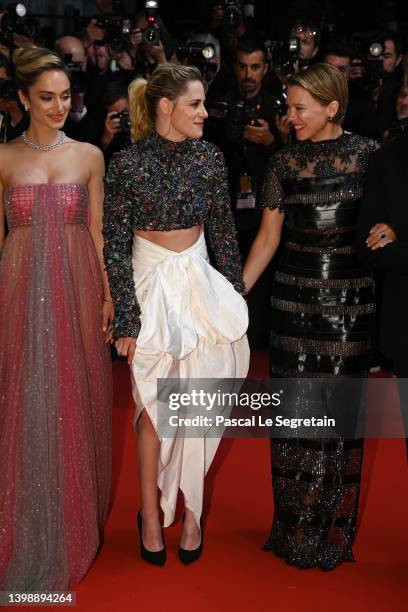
x=381 y=235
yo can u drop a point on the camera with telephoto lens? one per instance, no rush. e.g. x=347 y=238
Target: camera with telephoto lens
x=116 y=31
x=151 y=34
x=284 y=55
x=368 y=50
x=238 y=113
x=124 y=121
x=79 y=78
x=196 y=53
x=232 y=13
x=15 y=21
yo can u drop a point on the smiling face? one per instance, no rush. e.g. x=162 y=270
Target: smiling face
x=49 y=99
x=309 y=118
x=187 y=114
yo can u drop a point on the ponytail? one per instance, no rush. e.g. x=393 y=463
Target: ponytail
x=141 y=122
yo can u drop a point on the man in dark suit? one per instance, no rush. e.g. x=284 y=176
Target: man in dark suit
x=382 y=242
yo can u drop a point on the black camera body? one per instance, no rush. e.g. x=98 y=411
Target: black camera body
x=232 y=13
x=238 y=114
x=196 y=53
x=116 y=30
x=124 y=121
x=151 y=34
x=368 y=49
x=284 y=55
x=13 y=23
x=79 y=78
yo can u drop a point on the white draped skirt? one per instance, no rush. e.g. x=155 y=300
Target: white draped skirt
x=193 y=326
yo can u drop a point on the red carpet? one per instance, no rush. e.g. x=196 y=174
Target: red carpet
x=233 y=572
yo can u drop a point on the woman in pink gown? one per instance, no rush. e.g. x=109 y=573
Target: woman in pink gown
x=55 y=374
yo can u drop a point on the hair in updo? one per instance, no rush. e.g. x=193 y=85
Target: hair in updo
x=326 y=84
x=167 y=81
x=31 y=62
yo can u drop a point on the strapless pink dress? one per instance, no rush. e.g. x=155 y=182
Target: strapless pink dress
x=55 y=391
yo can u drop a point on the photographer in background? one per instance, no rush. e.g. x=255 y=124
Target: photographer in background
x=359 y=104
x=243 y=124
x=308 y=35
x=116 y=130
x=376 y=78
x=400 y=125
x=150 y=43
x=13 y=120
x=80 y=124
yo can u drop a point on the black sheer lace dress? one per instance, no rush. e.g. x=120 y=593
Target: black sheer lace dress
x=322 y=302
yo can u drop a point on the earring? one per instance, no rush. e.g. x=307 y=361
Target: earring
x=330 y=118
x=26 y=108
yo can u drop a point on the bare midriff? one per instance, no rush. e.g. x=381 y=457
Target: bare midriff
x=174 y=240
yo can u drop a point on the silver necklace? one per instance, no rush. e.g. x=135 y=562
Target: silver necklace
x=40 y=147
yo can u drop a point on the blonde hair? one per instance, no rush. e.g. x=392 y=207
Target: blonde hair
x=31 y=62
x=167 y=81
x=326 y=84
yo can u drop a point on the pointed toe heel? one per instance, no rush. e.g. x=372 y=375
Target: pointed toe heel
x=153 y=557
x=189 y=556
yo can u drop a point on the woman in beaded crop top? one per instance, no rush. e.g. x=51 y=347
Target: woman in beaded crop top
x=322 y=310
x=55 y=367
x=175 y=315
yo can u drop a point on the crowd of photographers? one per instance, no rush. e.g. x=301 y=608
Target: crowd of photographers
x=245 y=72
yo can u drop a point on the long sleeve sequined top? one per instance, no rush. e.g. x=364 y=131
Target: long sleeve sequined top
x=161 y=185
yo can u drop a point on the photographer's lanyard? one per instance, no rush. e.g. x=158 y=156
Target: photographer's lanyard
x=246 y=196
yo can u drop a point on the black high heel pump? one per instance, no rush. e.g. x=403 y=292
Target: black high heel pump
x=154 y=557
x=189 y=556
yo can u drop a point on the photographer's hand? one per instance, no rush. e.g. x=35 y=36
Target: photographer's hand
x=124 y=61
x=259 y=135
x=112 y=127
x=156 y=53
x=135 y=39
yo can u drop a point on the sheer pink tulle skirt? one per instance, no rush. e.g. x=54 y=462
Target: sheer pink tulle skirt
x=55 y=392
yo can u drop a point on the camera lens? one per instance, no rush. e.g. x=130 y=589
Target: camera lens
x=376 y=49
x=151 y=36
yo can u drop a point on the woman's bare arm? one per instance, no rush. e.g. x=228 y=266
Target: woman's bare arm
x=95 y=193
x=264 y=246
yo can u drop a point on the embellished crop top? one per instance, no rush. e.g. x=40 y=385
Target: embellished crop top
x=160 y=185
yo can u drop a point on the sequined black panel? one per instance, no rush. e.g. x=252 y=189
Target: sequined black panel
x=161 y=185
x=322 y=304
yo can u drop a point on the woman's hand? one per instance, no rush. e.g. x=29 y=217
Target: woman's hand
x=126 y=347
x=108 y=312
x=380 y=235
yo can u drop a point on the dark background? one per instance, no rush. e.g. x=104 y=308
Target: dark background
x=348 y=15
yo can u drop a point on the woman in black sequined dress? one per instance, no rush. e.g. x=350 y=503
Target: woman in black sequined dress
x=322 y=304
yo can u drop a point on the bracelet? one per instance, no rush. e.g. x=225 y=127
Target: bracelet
x=105 y=300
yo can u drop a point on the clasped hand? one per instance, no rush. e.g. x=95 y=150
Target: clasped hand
x=126 y=347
